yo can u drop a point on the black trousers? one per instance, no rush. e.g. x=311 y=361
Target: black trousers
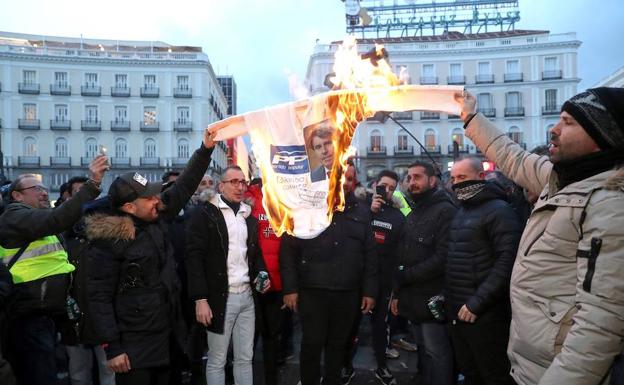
x=481 y=351
x=327 y=317
x=147 y=376
x=271 y=315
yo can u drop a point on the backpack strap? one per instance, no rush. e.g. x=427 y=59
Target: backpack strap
x=17 y=255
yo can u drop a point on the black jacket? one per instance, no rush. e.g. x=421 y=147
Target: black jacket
x=206 y=259
x=132 y=288
x=343 y=257
x=6 y=285
x=422 y=254
x=482 y=248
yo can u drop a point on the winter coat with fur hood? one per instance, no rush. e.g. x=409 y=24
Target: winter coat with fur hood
x=567 y=285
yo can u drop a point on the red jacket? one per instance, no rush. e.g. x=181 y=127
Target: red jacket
x=268 y=241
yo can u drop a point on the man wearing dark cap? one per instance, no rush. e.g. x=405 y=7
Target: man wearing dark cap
x=133 y=293
x=567 y=286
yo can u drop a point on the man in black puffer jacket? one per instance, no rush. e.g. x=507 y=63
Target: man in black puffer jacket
x=483 y=242
x=420 y=272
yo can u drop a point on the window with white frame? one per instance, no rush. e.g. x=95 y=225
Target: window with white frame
x=458 y=137
x=60 y=79
x=30 y=146
x=183 y=82
x=402 y=141
x=430 y=139
x=120 y=114
x=121 y=80
x=376 y=140
x=183 y=148
x=149 y=81
x=30 y=111
x=91 y=147
x=484 y=101
x=29 y=76
x=456 y=70
x=428 y=70
x=91 y=79
x=121 y=148
x=484 y=68
x=149 y=115
x=513 y=100
x=91 y=113
x=550 y=99
x=513 y=66
x=550 y=63
x=183 y=114
x=149 y=148
x=60 y=147
x=515 y=134
x=61 y=112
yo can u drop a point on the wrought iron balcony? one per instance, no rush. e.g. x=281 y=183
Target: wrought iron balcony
x=149 y=126
x=28 y=161
x=120 y=162
x=120 y=91
x=91 y=90
x=150 y=161
x=426 y=115
x=150 y=92
x=428 y=80
x=513 y=77
x=433 y=149
x=403 y=150
x=376 y=151
x=86 y=160
x=514 y=111
x=179 y=162
x=453 y=117
x=484 y=78
x=91 y=125
x=182 y=92
x=60 y=161
x=405 y=115
x=120 y=125
x=28 y=88
x=60 y=124
x=551 y=74
x=63 y=89
x=551 y=110
x=463 y=149
x=28 y=124
x=182 y=126
x=456 y=79
x=488 y=112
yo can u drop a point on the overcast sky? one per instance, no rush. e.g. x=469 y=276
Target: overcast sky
x=261 y=42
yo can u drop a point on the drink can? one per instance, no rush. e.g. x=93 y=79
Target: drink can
x=436 y=307
x=263 y=276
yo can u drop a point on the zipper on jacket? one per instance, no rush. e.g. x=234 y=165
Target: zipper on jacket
x=596 y=244
x=526 y=251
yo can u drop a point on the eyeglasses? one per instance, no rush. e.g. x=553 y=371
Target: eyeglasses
x=236 y=182
x=38 y=189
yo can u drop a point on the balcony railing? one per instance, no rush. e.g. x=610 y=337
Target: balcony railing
x=453 y=117
x=120 y=125
x=514 y=111
x=28 y=88
x=551 y=110
x=60 y=161
x=60 y=124
x=86 y=160
x=91 y=90
x=182 y=126
x=182 y=92
x=403 y=151
x=150 y=161
x=91 y=125
x=514 y=77
x=428 y=80
x=456 y=79
x=552 y=74
x=488 y=112
x=150 y=92
x=426 y=115
x=484 y=78
x=120 y=162
x=405 y=115
x=149 y=126
x=463 y=149
x=60 y=89
x=28 y=124
x=433 y=149
x=179 y=162
x=120 y=91
x=28 y=161
x=376 y=151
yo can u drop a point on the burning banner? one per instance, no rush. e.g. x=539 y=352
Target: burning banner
x=302 y=147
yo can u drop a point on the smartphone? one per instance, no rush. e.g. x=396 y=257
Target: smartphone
x=381 y=190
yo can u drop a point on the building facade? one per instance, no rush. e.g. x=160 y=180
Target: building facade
x=228 y=86
x=62 y=100
x=520 y=78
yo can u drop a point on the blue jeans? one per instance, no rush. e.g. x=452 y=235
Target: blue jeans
x=33 y=346
x=239 y=325
x=81 y=365
x=435 y=354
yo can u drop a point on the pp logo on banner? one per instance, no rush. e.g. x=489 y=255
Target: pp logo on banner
x=289 y=159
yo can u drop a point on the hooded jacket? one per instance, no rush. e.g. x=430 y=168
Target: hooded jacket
x=483 y=241
x=567 y=290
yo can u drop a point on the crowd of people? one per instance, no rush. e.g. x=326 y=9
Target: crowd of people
x=512 y=277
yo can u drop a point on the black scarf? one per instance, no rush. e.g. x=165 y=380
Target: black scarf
x=468 y=189
x=235 y=206
x=583 y=167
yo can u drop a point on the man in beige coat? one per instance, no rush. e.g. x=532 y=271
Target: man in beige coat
x=567 y=286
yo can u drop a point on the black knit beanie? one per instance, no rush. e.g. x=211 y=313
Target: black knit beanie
x=600 y=111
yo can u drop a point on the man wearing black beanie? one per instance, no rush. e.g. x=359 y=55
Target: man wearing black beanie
x=567 y=290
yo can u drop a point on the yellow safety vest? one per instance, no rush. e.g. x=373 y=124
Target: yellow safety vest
x=42 y=258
